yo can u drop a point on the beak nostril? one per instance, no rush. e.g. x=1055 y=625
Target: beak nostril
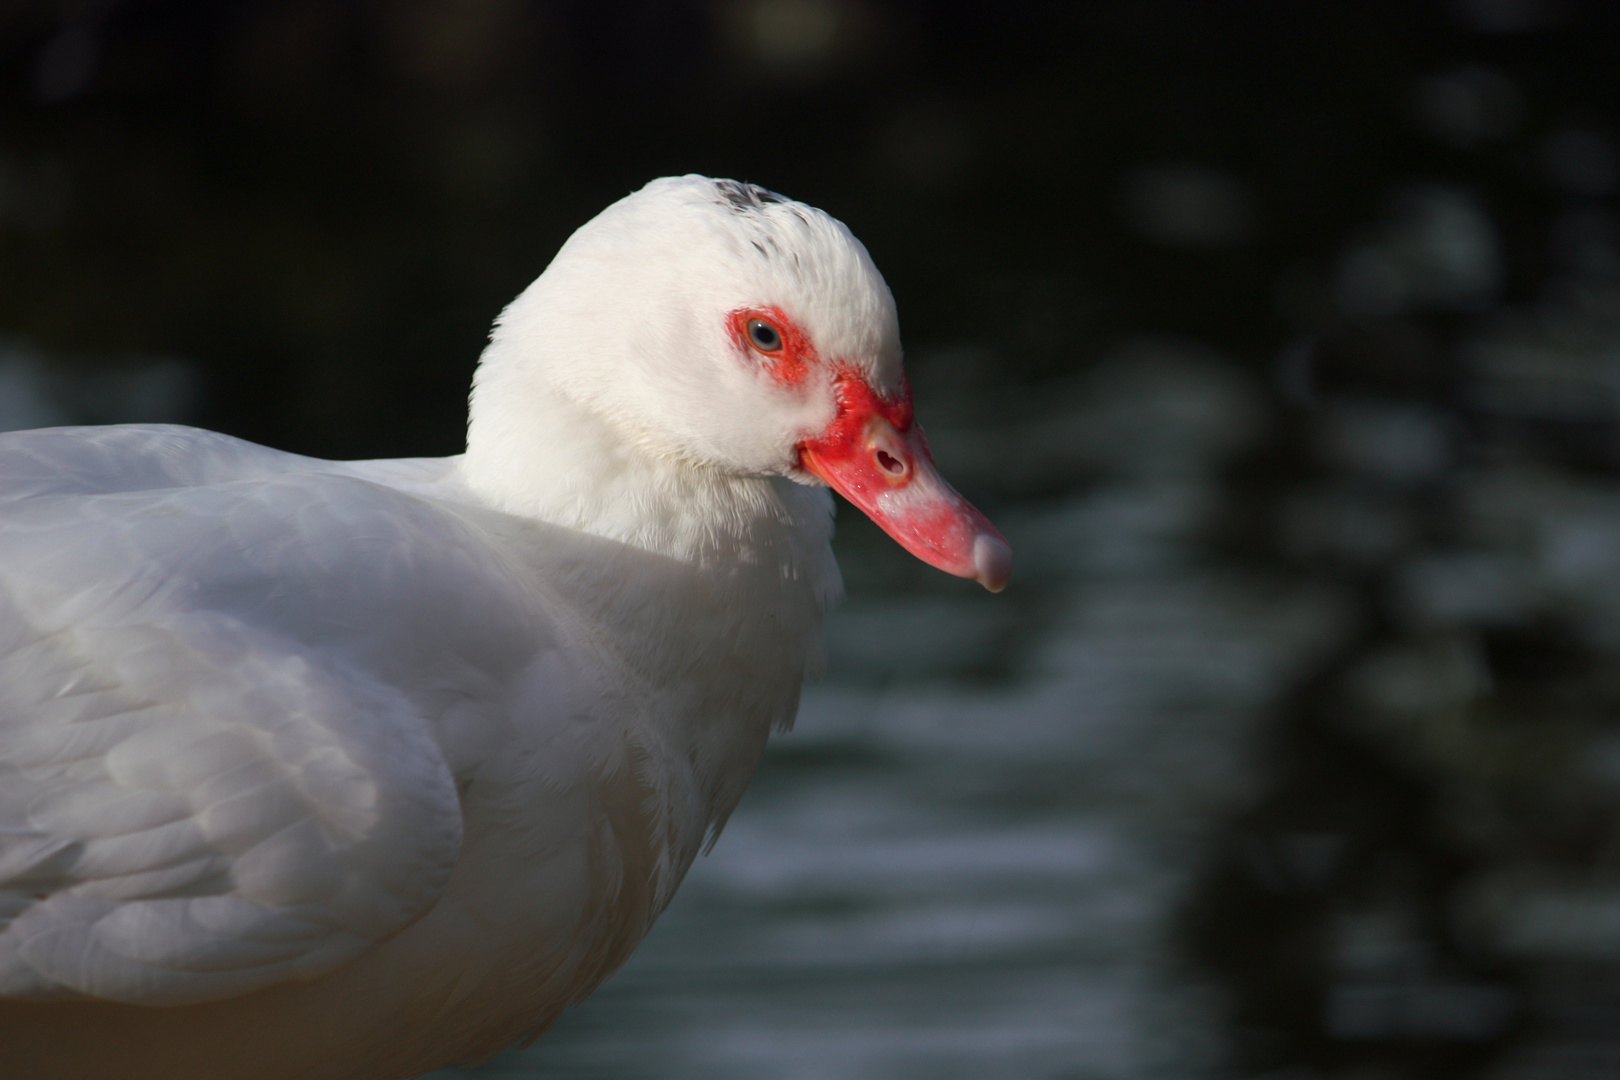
x=890 y=464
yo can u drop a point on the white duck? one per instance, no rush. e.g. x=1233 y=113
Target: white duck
x=319 y=770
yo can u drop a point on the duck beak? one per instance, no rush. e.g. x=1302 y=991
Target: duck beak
x=874 y=455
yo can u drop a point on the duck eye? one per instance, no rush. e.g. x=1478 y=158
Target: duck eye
x=764 y=336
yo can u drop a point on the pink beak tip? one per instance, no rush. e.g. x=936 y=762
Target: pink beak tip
x=992 y=561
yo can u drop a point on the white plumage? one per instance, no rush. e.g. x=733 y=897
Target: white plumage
x=352 y=770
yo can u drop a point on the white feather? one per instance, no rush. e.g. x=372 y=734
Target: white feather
x=352 y=770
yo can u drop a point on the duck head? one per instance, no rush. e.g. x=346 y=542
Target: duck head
x=720 y=325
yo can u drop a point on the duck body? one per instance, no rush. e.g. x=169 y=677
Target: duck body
x=352 y=770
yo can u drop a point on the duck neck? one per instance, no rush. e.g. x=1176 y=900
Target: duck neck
x=536 y=453
x=704 y=590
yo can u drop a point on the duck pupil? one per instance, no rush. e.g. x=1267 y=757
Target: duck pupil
x=764 y=335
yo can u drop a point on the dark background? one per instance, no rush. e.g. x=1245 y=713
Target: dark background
x=1367 y=253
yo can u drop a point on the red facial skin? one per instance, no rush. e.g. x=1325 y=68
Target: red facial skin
x=874 y=454
x=787 y=365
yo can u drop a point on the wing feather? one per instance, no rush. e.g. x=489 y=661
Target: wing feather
x=202 y=790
